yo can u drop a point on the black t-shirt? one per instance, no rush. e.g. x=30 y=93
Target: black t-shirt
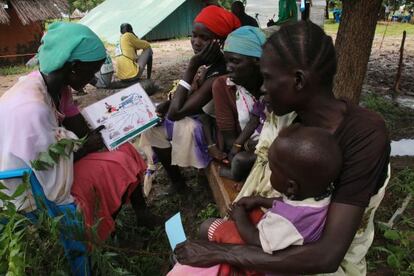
x=364 y=141
x=247 y=20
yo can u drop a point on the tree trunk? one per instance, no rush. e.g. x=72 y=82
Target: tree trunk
x=353 y=44
x=327 y=10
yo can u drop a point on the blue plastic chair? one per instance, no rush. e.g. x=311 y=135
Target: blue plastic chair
x=75 y=251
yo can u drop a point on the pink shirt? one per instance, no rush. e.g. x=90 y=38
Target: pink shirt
x=67 y=107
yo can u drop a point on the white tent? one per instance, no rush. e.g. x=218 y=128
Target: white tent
x=264 y=9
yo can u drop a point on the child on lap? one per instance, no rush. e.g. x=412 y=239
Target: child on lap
x=304 y=161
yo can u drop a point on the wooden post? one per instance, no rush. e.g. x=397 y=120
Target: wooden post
x=383 y=35
x=396 y=87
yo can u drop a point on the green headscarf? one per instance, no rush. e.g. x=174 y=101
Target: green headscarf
x=246 y=40
x=66 y=42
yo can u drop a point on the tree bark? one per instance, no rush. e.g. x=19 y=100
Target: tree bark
x=353 y=44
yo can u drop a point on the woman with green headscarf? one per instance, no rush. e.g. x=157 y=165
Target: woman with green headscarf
x=38 y=111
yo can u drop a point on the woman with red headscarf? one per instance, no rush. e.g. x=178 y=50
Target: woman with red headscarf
x=180 y=141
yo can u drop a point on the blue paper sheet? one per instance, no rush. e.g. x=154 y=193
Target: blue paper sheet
x=175 y=230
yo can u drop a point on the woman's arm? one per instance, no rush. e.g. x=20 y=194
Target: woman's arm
x=139 y=44
x=78 y=125
x=183 y=104
x=323 y=256
x=247 y=230
x=230 y=138
x=248 y=130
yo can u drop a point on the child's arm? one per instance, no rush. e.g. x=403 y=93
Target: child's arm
x=240 y=214
x=251 y=202
x=246 y=133
x=248 y=232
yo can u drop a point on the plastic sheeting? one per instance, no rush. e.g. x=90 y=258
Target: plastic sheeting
x=143 y=15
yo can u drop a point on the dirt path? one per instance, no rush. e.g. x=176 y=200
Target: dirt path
x=171 y=57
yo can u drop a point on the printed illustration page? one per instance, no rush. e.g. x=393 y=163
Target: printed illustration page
x=125 y=115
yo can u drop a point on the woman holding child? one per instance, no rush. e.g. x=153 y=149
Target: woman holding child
x=38 y=111
x=180 y=141
x=298 y=66
x=240 y=111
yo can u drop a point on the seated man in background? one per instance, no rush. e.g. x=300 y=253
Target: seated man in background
x=239 y=10
x=129 y=65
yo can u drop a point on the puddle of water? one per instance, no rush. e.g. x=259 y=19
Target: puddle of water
x=406 y=101
x=403 y=147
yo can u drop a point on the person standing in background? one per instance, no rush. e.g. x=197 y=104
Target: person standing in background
x=238 y=9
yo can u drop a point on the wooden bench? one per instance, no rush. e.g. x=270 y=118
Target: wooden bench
x=224 y=190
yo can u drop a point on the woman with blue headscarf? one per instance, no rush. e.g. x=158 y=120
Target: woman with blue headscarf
x=38 y=111
x=239 y=110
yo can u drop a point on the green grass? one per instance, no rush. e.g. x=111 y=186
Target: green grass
x=393 y=248
x=398 y=119
x=393 y=29
x=15 y=70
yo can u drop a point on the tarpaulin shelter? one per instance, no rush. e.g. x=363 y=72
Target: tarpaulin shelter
x=150 y=19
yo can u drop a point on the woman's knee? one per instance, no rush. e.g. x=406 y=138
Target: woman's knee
x=203 y=232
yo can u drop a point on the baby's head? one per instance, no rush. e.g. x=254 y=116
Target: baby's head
x=304 y=161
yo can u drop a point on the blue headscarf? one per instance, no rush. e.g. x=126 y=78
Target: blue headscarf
x=66 y=42
x=246 y=40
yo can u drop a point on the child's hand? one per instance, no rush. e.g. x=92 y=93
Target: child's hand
x=249 y=202
x=236 y=212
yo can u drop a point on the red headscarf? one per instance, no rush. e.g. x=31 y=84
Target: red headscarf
x=218 y=20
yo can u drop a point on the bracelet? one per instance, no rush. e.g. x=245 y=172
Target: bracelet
x=237 y=146
x=185 y=84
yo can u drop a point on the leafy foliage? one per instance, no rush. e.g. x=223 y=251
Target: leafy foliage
x=27 y=248
x=210 y=211
x=395 y=4
x=399 y=250
x=62 y=148
x=83 y=5
x=395 y=248
x=15 y=70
